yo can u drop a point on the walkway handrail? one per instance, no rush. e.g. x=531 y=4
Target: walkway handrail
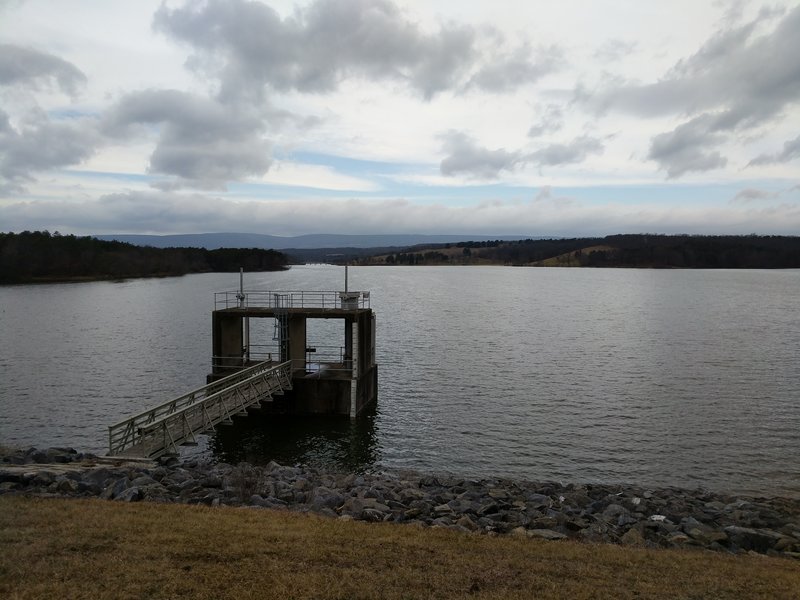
x=326 y=300
x=127 y=432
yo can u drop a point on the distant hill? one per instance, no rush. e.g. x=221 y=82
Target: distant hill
x=213 y=241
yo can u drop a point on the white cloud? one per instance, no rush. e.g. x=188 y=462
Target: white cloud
x=694 y=91
x=169 y=212
x=790 y=151
x=316 y=176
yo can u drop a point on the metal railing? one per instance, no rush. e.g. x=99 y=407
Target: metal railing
x=164 y=427
x=292 y=299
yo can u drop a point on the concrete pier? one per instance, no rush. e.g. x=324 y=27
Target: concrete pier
x=342 y=381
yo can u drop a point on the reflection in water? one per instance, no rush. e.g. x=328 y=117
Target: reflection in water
x=334 y=443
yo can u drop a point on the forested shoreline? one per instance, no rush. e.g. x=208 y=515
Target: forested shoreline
x=626 y=250
x=40 y=256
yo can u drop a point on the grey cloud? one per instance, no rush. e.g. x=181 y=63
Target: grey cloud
x=508 y=72
x=201 y=142
x=575 y=151
x=736 y=81
x=732 y=71
x=149 y=211
x=551 y=120
x=25 y=66
x=34 y=142
x=464 y=155
x=753 y=194
x=613 y=50
x=248 y=46
x=689 y=147
x=161 y=212
x=39 y=144
x=319 y=46
x=546 y=195
x=791 y=151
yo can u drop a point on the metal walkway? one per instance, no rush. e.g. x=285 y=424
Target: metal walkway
x=162 y=429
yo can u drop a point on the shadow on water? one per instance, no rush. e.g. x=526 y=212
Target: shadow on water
x=333 y=443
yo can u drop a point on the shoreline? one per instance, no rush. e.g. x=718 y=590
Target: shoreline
x=623 y=514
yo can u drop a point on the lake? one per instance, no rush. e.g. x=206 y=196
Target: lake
x=657 y=377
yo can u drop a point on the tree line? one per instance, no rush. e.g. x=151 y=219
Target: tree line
x=624 y=250
x=42 y=256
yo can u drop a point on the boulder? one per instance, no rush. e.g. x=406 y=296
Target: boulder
x=633 y=537
x=129 y=495
x=546 y=534
x=467 y=523
x=115 y=488
x=759 y=540
x=67 y=486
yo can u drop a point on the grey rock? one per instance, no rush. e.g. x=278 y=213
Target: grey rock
x=326 y=498
x=211 y=482
x=442 y=509
x=98 y=476
x=546 y=534
x=759 y=540
x=357 y=506
x=43 y=478
x=143 y=480
x=539 y=500
x=633 y=537
x=302 y=485
x=614 y=510
x=9 y=486
x=467 y=523
x=786 y=543
x=129 y=495
x=67 y=486
x=370 y=514
x=115 y=488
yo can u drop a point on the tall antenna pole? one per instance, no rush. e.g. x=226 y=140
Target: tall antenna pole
x=241 y=297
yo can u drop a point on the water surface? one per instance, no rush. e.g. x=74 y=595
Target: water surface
x=679 y=377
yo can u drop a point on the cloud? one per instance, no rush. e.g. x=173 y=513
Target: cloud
x=551 y=120
x=202 y=142
x=315 y=49
x=683 y=149
x=791 y=151
x=29 y=140
x=575 y=151
x=505 y=73
x=464 y=155
x=689 y=147
x=31 y=68
x=545 y=195
x=752 y=194
x=732 y=71
x=168 y=212
x=249 y=47
x=613 y=50
x=735 y=81
x=748 y=195
x=39 y=144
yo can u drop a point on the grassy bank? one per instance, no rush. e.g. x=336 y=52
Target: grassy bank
x=56 y=548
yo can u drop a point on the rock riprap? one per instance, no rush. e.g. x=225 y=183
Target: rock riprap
x=623 y=514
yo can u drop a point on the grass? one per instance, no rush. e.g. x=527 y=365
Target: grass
x=58 y=548
x=569 y=259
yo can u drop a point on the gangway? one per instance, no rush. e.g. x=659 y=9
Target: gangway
x=162 y=429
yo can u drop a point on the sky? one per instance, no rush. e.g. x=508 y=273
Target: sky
x=530 y=118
